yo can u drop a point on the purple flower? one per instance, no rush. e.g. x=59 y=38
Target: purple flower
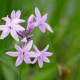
x=12 y=25
x=23 y=54
x=30 y=24
x=40 y=21
x=42 y=56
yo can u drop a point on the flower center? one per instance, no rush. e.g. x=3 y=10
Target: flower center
x=23 y=53
x=39 y=54
x=10 y=27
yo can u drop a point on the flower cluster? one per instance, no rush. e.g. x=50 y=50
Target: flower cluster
x=13 y=27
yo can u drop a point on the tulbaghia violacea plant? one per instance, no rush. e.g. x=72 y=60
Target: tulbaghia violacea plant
x=13 y=27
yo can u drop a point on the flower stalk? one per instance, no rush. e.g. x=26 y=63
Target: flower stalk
x=14 y=28
x=19 y=75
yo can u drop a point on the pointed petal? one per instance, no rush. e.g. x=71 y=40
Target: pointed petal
x=40 y=62
x=5 y=33
x=8 y=21
x=28 y=46
x=13 y=15
x=32 y=54
x=27 y=60
x=42 y=28
x=14 y=35
x=19 y=61
x=34 y=61
x=36 y=49
x=47 y=53
x=46 y=48
x=45 y=59
x=2 y=27
x=16 y=21
x=48 y=27
x=18 y=48
x=24 y=40
x=18 y=14
x=37 y=12
x=18 y=27
x=14 y=54
x=44 y=17
x=4 y=18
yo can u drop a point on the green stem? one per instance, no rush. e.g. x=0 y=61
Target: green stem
x=19 y=76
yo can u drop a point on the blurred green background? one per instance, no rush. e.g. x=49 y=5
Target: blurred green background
x=64 y=18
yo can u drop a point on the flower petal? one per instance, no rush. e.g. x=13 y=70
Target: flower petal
x=24 y=40
x=14 y=35
x=32 y=54
x=42 y=28
x=19 y=61
x=47 y=54
x=37 y=12
x=28 y=46
x=5 y=33
x=45 y=59
x=18 y=27
x=16 y=21
x=46 y=48
x=48 y=27
x=18 y=48
x=14 y=54
x=27 y=60
x=44 y=17
x=13 y=15
x=8 y=21
x=36 y=49
x=4 y=18
x=40 y=62
x=2 y=27
x=34 y=61
x=18 y=14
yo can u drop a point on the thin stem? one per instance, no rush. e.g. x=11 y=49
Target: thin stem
x=20 y=67
x=19 y=77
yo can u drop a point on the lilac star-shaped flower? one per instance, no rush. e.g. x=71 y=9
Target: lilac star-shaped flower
x=23 y=53
x=12 y=26
x=40 y=21
x=42 y=56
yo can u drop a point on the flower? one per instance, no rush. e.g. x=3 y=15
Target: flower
x=30 y=24
x=42 y=56
x=40 y=21
x=23 y=53
x=12 y=25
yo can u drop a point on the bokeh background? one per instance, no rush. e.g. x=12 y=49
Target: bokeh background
x=64 y=18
